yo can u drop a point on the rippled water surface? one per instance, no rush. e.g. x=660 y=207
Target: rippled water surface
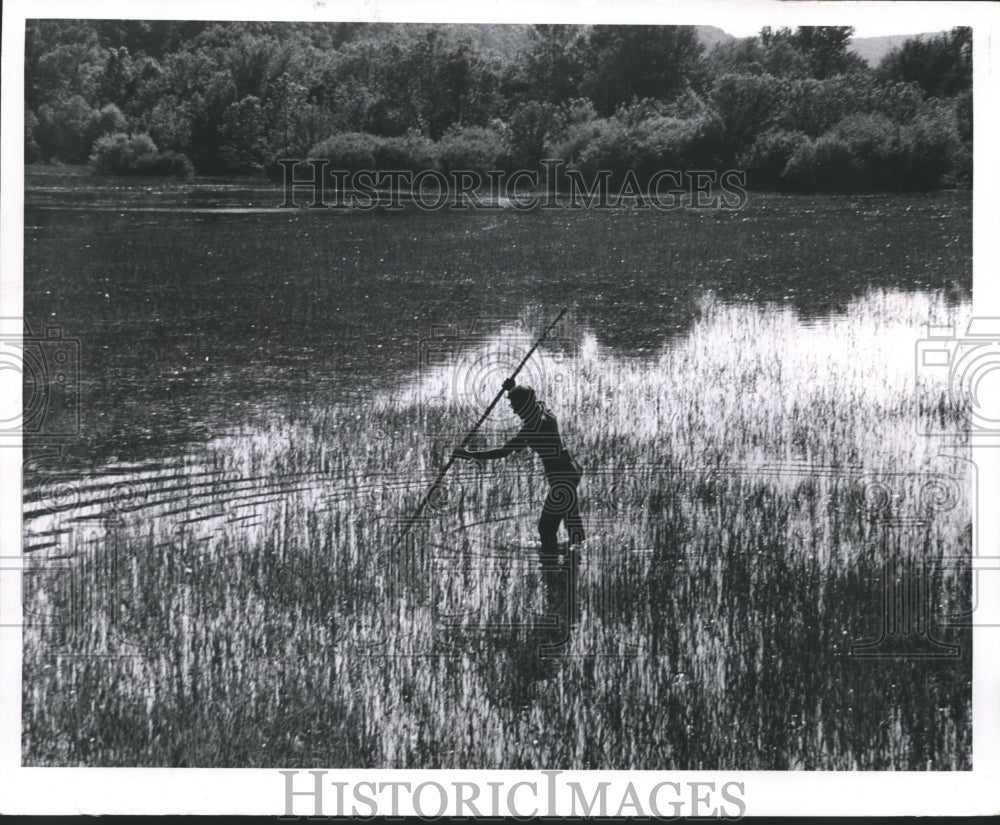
x=253 y=399
x=198 y=305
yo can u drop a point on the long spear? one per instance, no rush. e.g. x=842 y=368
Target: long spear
x=473 y=431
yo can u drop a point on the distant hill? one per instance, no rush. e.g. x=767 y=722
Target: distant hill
x=712 y=35
x=503 y=40
x=506 y=40
x=873 y=49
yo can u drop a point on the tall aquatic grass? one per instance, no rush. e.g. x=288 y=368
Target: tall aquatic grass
x=747 y=487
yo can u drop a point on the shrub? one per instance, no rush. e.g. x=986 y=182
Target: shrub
x=687 y=105
x=815 y=106
x=575 y=138
x=168 y=123
x=603 y=144
x=934 y=149
x=664 y=142
x=767 y=157
x=531 y=127
x=32 y=152
x=823 y=164
x=643 y=145
x=174 y=164
x=878 y=155
x=963 y=116
x=746 y=106
x=960 y=171
x=353 y=151
x=871 y=153
x=106 y=121
x=898 y=101
x=475 y=148
x=122 y=154
x=348 y=151
x=243 y=139
x=412 y=152
x=64 y=129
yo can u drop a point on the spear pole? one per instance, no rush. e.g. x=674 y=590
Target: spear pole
x=468 y=436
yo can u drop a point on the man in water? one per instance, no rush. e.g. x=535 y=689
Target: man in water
x=540 y=432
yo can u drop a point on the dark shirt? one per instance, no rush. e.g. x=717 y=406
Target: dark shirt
x=541 y=434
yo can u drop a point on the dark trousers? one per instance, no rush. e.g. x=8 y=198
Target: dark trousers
x=561 y=504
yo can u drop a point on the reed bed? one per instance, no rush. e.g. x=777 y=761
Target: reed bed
x=748 y=487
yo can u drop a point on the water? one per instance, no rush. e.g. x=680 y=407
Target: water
x=198 y=307
x=247 y=443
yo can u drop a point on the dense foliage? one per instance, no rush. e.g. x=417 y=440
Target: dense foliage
x=797 y=110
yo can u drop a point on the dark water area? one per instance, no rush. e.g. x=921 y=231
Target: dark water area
x=199 y=305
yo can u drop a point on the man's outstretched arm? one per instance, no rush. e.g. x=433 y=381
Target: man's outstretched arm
x=516 y=443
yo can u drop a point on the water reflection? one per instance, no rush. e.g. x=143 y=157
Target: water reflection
x=191 y=323
x=272 y=545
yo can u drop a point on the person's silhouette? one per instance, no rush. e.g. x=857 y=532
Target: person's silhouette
x=540 y=432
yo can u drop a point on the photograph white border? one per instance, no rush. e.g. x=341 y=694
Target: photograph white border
x=217 y=791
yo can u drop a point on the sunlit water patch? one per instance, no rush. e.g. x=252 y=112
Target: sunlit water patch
x=744 y=486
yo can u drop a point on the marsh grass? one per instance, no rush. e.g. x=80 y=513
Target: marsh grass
x=747 y=486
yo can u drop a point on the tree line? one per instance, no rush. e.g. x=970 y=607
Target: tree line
x=796 y=109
